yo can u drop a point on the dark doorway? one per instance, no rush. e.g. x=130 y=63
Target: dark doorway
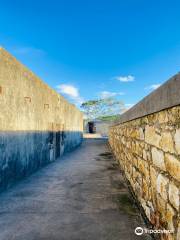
x=91 y=127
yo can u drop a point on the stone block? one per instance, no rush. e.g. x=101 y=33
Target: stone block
x=153 y=176
x=138 y=190
x=133 y=133
x=141 y=134
x=158 y=158
x=177 y=140
x=138 y=149
x=149 y=157
x=151 y=136
x=174 y=195
x=170 y=213
x=145 y=190
x=166 y=143
x=143 y=167
x=147 y=212
x=173 y=166
x=152 y=195
x=133 y=147
x=162 y=186
x=174 y=114
x=138 y=177
x=178 y=231
x=134 y=161
x=161 y=207
x=144 y=154
x=162 y=117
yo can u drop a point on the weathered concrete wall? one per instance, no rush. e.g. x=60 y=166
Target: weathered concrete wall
x=100 y=127
x=37 y=125
x=103 y=128
x=148 y=150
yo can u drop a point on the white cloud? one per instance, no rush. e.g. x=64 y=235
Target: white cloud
x=153 y=86
x=129 y=105
x=107 y=94
x=128 y=78
x=70 y=91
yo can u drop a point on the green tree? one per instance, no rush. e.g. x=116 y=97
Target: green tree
x=102 y=108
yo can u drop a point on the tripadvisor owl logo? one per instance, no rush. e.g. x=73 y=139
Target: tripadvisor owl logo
x=138 y=231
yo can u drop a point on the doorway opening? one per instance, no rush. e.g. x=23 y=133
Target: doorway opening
x=58 y=138
x=91 y=127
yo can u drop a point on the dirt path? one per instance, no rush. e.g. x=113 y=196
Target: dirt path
x=82 y=196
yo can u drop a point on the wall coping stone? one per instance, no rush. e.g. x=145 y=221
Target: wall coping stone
x=164 y=97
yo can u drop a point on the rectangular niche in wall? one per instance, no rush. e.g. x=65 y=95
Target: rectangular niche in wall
x=27 y=99
x=46 y=106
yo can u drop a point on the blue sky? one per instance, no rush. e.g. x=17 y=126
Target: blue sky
x=87 y=49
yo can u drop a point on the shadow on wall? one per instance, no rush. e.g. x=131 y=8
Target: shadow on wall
x=24 y=152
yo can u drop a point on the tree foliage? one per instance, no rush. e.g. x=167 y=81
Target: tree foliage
x=102 y=108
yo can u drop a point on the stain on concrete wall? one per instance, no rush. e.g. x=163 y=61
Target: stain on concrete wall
x=37 y=125
x=102 y=127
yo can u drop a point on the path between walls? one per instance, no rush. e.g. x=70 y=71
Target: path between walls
x=81 y=196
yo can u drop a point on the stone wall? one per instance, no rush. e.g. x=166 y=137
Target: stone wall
x=148 y=150
x=37 y=125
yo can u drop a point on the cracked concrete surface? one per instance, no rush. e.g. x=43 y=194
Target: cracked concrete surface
x=82 y=196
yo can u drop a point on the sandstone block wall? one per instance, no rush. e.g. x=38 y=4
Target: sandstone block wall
x=148 y=150
x=37 y=125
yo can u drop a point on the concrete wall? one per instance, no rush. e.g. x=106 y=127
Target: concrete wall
x=148 y=150
x=101 y=127
x=37 y=125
